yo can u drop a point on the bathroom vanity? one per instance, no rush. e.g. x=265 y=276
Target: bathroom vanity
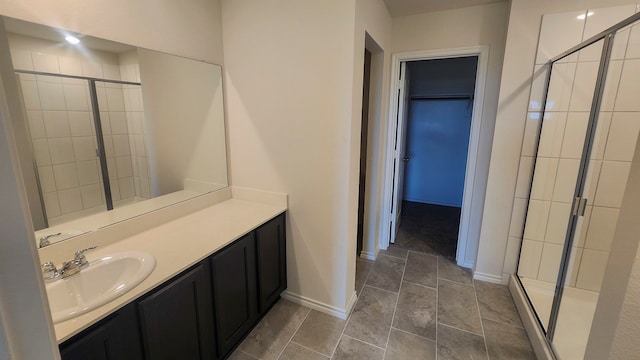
x=218 y=271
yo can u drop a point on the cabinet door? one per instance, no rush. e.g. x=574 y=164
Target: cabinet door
x=234 y=292
x=115 y=338
x=272 y=261
x=176 y=321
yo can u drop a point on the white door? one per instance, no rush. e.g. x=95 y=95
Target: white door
x=399 y=159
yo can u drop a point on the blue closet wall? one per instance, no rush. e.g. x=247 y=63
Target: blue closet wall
x=438 y=128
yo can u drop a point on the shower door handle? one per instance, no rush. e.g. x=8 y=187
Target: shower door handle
x=579 y=206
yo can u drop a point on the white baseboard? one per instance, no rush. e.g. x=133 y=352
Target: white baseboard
x=531 y=325
x=320 y=306
x=489 y=278
x=368 y=255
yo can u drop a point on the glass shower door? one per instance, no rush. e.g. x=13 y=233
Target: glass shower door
x=616 y=125
x=587 y=139
x=122 y=121
x=557 y=170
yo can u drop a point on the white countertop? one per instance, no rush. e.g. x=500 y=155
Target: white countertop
x=177 y=245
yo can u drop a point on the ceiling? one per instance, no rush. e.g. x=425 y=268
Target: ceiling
x=409 y=7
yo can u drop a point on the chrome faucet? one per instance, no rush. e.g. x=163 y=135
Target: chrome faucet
x=79 y=262
x=44 y=241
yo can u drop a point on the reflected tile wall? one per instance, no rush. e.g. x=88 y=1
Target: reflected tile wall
x=64 y=141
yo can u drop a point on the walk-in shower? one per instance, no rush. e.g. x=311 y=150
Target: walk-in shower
x=587 y=125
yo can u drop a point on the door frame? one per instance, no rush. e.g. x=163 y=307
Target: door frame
x=482 y=52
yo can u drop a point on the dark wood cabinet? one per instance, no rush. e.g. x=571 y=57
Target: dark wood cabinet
x=272 y=262
x=202 y=313
x=115 y=338
x=176 y=321
x=235 y=300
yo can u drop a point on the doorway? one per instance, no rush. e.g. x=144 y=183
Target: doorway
x=434 y=131
x=366 y=86
x=440 y=105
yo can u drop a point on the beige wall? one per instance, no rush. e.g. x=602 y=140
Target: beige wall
x=373 y=32
x=625 y=343
x=294 y=88
x=616 y=324
x=192 y=29
x=495 y=251
x=183 y=107
x=473 y=26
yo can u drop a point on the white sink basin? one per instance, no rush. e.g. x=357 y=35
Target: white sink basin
x=104 y=280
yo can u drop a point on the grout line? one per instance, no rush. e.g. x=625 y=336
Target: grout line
x=421 y=285
x=463 y=330
x=294 y=333
x=308 y=348
x=410 y=333
x=484 y=336
x=335 y=348
x=364 y=342
x=394 y=256
x=359 y=291
x=395 y=308
x=377 y=288
x=249 y=355
x=457 y=282
x=503 y=323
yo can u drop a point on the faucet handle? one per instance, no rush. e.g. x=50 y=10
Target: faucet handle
x=80 y=252
x=49 y=271
x=80 y=259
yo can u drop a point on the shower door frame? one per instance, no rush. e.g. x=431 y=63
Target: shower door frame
x=579 y=203
x=97 y=124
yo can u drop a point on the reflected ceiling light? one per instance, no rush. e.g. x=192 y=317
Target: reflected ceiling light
x=72 y=39
x=583 y=16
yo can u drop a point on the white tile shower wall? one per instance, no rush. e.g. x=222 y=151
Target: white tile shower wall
x=561 y=141
x=134 y=111
x=116 y=138
x=64 y=142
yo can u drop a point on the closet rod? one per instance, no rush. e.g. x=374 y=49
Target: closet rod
x=442 y=97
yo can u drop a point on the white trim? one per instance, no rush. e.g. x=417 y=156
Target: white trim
x=482 y=52
x=368 y=255
x=530 y=322
x=489 y=278
x=320 y=306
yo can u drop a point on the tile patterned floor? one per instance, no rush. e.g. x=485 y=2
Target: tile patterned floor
x=410 y=305
x=429 y=228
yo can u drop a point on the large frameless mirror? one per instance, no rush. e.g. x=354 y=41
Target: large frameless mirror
x=110 y=131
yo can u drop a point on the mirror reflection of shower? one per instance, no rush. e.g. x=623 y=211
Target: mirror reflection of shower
x=85 y=123
x=88 y=142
